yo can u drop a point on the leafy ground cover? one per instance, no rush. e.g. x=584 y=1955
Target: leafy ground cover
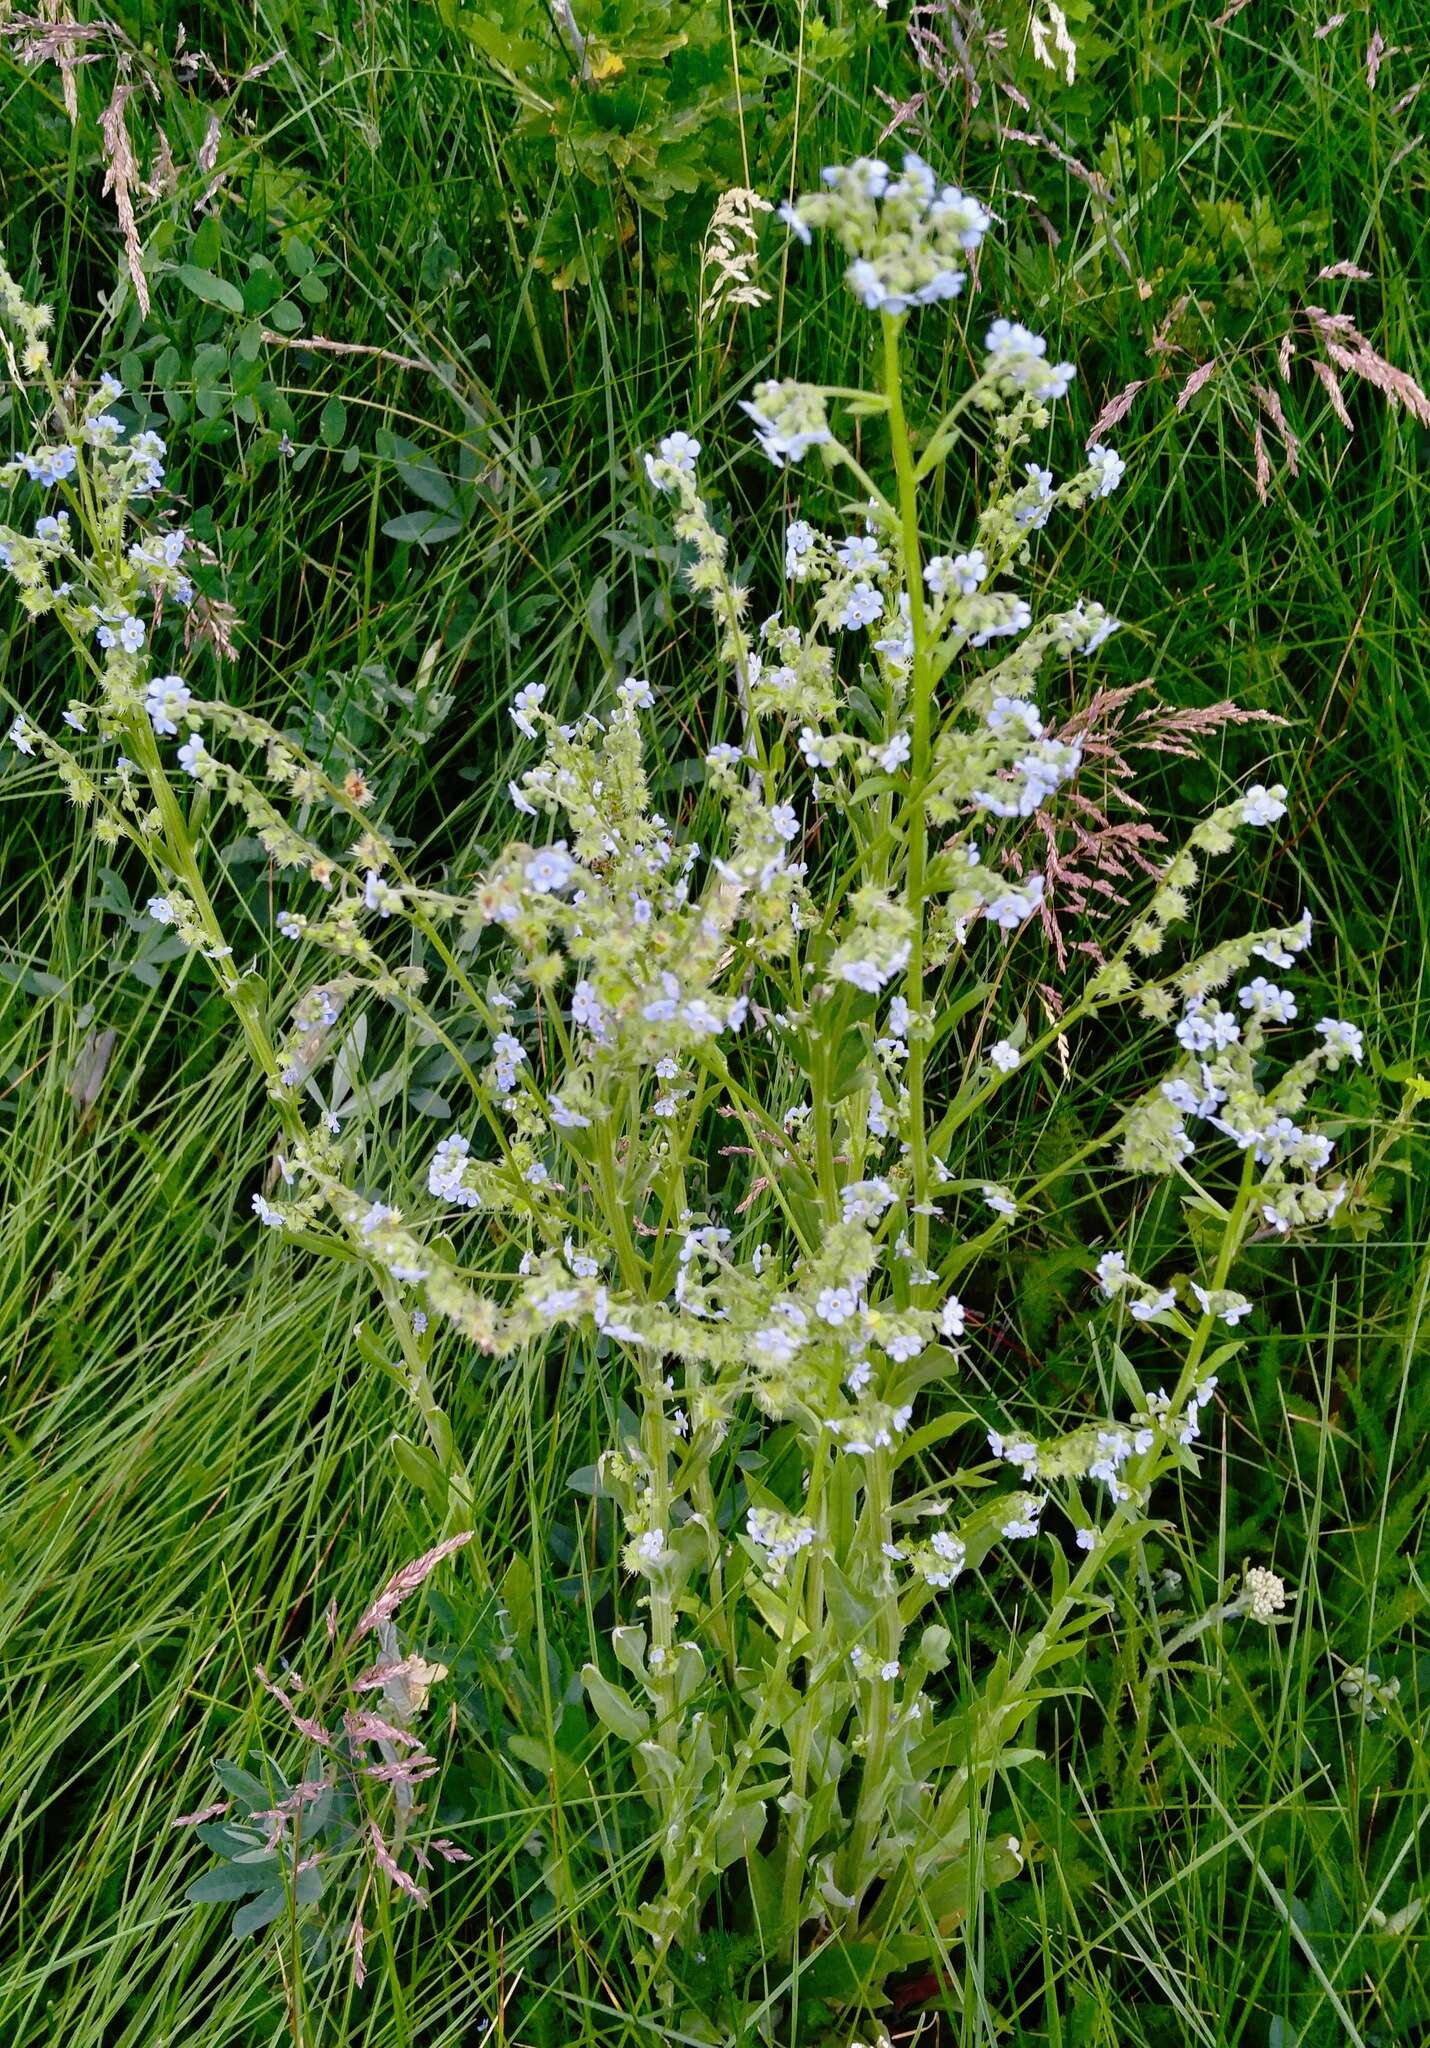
x=418 y=294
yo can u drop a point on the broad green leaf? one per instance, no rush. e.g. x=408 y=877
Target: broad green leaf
x=629 y=1645
x=214 y=291
x=614 y=1706
x=774 y=1610
x=422 y=476
x=739 y=1833
x=33 y=980
x=420 y=1469
x=587 y=1481
x=511 y=52
x=930 y=1433
x=426 y=528
x=261 y=288
x=210 y=364
x=228 y=1841
x=207 y=244
x=231 y=1881
x=258 y=1913
x=851 y=1612
x=251 y=1793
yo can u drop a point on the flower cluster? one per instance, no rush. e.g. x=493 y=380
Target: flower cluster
x=30 y=324
x=1264 y=1593
x=1223 y=1078
x=1369 y=1695
x=908 y=237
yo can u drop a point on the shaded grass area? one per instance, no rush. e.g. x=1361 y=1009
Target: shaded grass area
x=197 y=1454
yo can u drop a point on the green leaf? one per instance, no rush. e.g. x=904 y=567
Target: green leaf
x=933 y=1647
x=231 y=1881
x=930 y=1433
x=767 y=1895
x=1128 y=1377
x=371 y=1348
x=261 y=288
x=251 y=1793
x=839 y=1970
x=333 y=423
x=739 y=1833
x=689 y=1673
x=210 y=363
x=285 y=317
x=850 y=1611
x=527 y=1750
x=587 y=1481
x=518 y=1596
x=214 y=291
x=422 y=476
x=228 y=1841
x=420 y=1469
x=545 y=1759
x=951 y=1013
x=509 y=51
x=207 y=244
x=774 y=1611
x=614 y=1707
x=629 y=1645
x=258 y=1913
x=426 y=528
x=33 y=980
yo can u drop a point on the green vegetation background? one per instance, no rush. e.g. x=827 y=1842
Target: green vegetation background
x=196 y=1456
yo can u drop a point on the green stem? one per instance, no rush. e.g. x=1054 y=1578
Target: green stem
x=178 y=856
x=921 y=687
x=869 y=1814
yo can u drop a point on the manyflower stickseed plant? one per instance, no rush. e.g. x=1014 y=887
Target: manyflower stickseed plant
x=791 y=1691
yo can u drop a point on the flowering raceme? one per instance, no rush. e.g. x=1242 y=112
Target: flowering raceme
x=788 y=1329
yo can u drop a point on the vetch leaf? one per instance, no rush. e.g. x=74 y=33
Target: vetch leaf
x=422 y=477
x=214 y=291
x=231 y=1881
x=426 y=528
x=258 y=1913
x=252 y=1795
x=207 y=244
